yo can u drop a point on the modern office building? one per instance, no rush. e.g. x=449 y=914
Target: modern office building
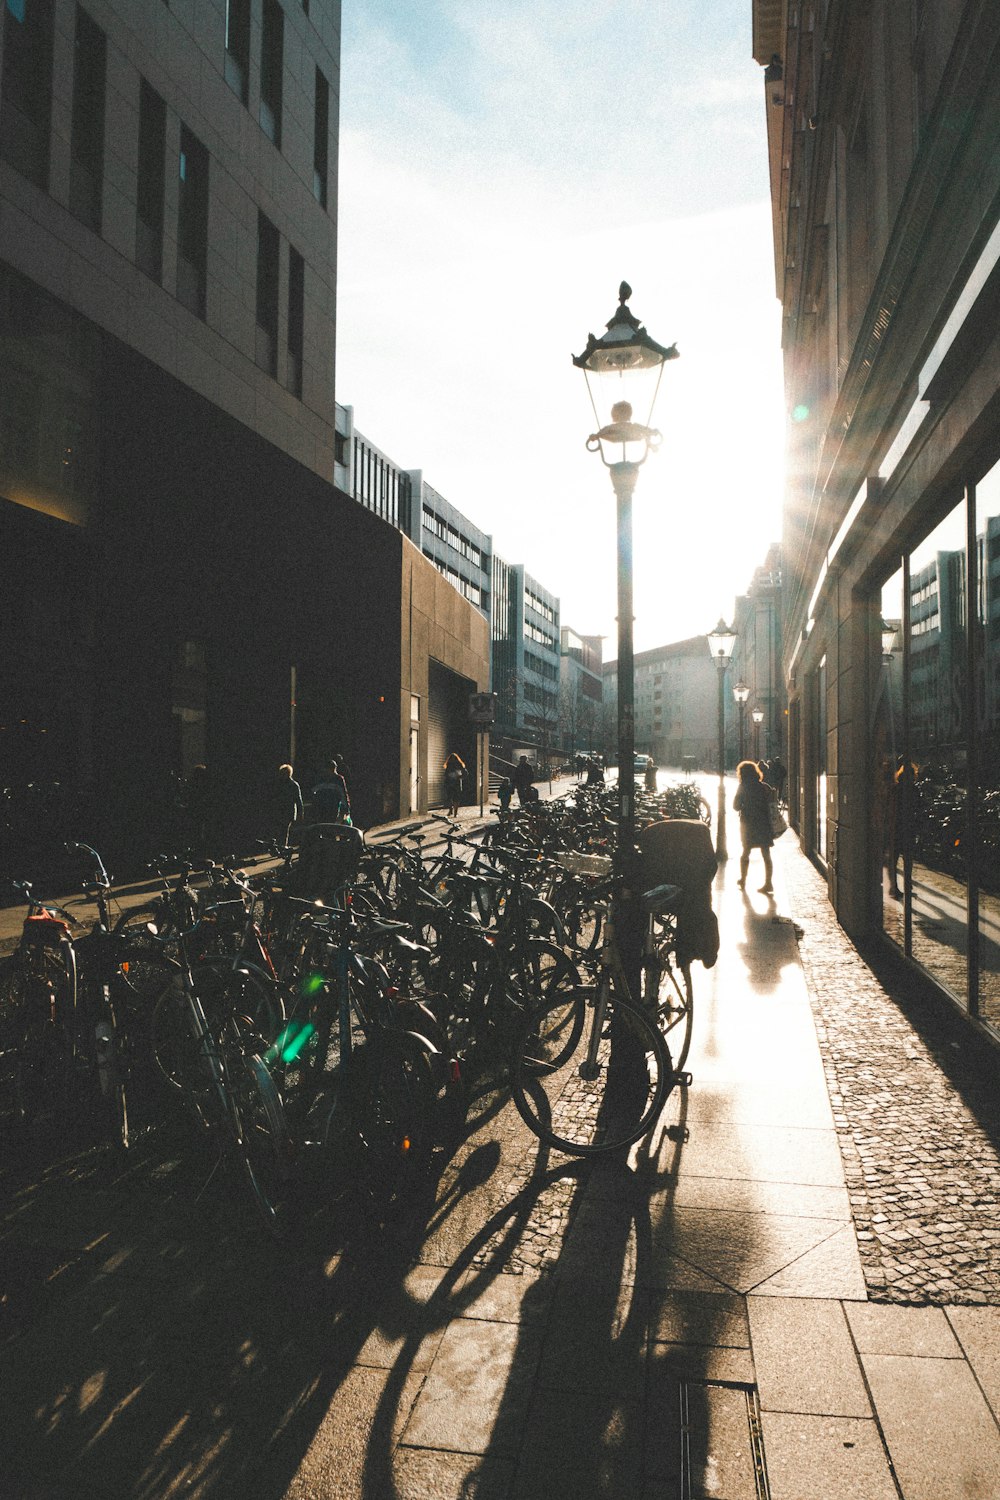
x=181 y=583
x=523 y=616
x=883 y=123
x=581 y=692
x=676 y=705
x=525 y=637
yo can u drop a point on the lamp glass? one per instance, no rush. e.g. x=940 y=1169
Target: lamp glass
x=757 y=715
x=741 y=692
x=721 y=642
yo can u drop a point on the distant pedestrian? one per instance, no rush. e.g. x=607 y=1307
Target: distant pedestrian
x=649 y=778
x=454 y=778
x=330 y=800
x=581 y=765
x=504 y=793
x=523 y=778
x=777 y=774
x=753 y=803
x=286 y=805
x=595 y=773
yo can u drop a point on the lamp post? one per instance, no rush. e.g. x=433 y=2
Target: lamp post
x=721 y=643
x=622 y=368
x=757 y=715
x=741 y=693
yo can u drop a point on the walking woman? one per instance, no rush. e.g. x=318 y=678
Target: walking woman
x=752 y=802
x=454 y=771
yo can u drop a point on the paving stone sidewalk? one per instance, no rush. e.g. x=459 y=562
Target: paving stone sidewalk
x=917 y=1115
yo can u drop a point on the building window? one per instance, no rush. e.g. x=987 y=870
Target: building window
x=237 y=63
x=150 y=184
x=26 y=104
x=296 y=316
x=192 y=224
x=267 y=294
x=271 y=67
x=321 y=138
x=86 y=169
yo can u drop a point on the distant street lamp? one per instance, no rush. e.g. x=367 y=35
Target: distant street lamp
x=623 y=369
x=721 y=643
x=888 y=646
x=757 y=715
x=741 y=693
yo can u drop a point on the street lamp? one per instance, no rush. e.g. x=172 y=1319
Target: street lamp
x=757 y=715
x=889 y=633
x=623 y=369
x=741 y=693
x=721 y=643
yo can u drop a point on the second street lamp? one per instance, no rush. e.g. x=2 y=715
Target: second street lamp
x=758 y=718
x=721 y=643
x=741 y=693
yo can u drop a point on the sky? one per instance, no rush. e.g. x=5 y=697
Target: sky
x=502 y=169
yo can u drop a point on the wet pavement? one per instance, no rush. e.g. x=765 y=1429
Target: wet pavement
x=716 y=1317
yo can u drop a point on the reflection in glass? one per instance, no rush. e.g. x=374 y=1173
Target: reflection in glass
x=888 y=739
x=988 y=740
x=931 y=815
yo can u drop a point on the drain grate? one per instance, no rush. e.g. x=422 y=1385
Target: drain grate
x=722 y=1442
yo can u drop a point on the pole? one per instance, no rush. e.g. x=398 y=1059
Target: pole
x=721 y=852
x=623 y=477
x=483 y=763
x=743 y=709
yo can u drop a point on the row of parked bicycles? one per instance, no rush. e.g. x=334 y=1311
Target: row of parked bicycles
x=340 y=1010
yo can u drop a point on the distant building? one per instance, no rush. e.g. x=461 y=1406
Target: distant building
x=756 y=662
x=676 y=704
x=581 y=691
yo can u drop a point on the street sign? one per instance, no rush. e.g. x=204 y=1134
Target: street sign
x=482 y=709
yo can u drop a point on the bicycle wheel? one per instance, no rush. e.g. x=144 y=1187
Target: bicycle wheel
x=675 y=1008
x=571 y=1093
x=392 y=1097
x=584 y=926
x=108 y=1066
x=261 y=1134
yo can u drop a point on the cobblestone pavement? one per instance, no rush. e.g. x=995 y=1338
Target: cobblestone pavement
x=915 y=1103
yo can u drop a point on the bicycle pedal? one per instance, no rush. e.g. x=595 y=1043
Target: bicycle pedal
x=683 y=1079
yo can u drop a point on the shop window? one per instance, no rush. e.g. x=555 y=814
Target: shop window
x=892 y=839
x=987 y=719
x=936 y=752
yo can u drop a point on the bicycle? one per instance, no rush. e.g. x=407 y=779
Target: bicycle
x=592 y=1070
x=208 y=1051
x=41 y=984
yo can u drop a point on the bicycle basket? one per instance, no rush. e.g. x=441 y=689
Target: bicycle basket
x=329 y=855
x=594 y=865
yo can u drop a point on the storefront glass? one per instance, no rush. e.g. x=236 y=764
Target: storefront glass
x=932 y=819
x=987 y=625
x=892 y=854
